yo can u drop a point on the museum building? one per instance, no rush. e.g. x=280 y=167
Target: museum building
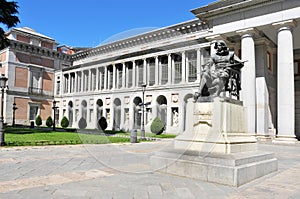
x=162 y=69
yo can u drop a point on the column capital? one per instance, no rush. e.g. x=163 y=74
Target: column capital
x=284 y=25
x=249 y=32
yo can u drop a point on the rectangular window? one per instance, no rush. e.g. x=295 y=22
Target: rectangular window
x=111 y=78
x=79 y=82
x=129 y=69
x=33 y=111
x=192 y=64
x=178 y=72
x=141 y=75
x=269 y=60
x=164 y=73
x=120 y=71
x=297 y=67
x=151 y=73
x=35 y=81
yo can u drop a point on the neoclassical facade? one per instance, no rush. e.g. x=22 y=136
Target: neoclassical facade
x=107 y=80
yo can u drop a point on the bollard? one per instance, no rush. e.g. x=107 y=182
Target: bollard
x=133 y=136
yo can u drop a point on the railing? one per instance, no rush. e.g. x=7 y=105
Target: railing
x=33 y=90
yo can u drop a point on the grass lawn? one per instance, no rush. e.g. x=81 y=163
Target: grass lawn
x=28 y=137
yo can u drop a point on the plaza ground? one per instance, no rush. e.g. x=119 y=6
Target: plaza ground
x=124 y=171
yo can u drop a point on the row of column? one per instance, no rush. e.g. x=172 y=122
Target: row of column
x=285 y=82
x=122 y=75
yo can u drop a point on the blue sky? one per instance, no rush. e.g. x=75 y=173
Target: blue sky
x=91 y=22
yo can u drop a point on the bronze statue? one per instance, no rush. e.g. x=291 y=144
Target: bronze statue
x=222 y=67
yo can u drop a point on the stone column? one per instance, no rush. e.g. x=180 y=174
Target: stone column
x=248 y=78
x=75 y=84
x=82 y=79
x=90 y=80
x=183 y=67
x=118 y=77
x=97 y=78
x=173 y=71
x=285 y=80
x=114 y=76
x=199 y=60
x=160 y=71
x=133 y=74
x=156 y=71
x=127 y=76
x=69 y=83
x=123 y=75
x=145 y=71
x=108 y=79
x=169 y=68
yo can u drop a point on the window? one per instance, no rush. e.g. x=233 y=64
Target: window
x=192 y=66
x=178 y=69
x=164 y=70
x=297 y=67
x=33 y=111
x=269 y=61
x=58 y=85
x=140 y=75
x=151 y=73
x=35 y=81
x=120 y=70
x=129 y=69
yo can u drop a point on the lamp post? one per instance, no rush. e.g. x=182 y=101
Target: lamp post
x=14 y=110
x=3 y=81
x=143 y=112
x=54 y=107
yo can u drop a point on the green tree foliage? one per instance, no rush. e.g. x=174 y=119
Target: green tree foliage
x=38 y=120
x=64 y=122
x=82 y=123
x=157 y=127
x=8 y=18
x=49 y=121
x=102 y=123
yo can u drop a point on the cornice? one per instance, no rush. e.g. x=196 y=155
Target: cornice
x=145 y=38
x=37 y=50
x=224 y=7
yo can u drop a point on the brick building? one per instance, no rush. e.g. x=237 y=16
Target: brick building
x=30 y=64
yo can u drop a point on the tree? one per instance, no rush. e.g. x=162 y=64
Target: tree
x=157 y=127
x=8 y=18
x=38 y=120
x=49 y=121
x=102 y=123
x=64 y=122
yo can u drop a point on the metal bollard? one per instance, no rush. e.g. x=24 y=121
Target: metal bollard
x=133 y=136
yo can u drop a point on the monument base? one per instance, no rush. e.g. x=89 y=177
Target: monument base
x=215 y=146
x=228 y=169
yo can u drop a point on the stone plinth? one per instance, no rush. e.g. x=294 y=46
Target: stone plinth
x=218 y=126
x=215 y=146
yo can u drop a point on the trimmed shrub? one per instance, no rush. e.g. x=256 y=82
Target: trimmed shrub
x=82 y=123
x=157 y=127
x=64 y=122
x=38 y=120
x=102 y=123
x=49 y=121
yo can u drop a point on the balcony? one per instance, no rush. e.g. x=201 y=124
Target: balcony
x=35 y=91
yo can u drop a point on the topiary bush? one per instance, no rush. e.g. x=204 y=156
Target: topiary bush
x=49 y=121
x=157 y=127
x=82 y=123
x=38 y=120
x=64 y=122
x=102 y=123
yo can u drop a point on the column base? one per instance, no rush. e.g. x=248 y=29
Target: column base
x=285 y=139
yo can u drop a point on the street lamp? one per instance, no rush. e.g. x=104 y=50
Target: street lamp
x=143 y=111
x=3 y=81
x=54 y=107
x=14 y=110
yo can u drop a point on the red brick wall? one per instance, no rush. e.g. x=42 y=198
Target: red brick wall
x=47 y=45
x=3 y=57
x=3 y=70
x=48 y=81
x=21 y=77
x=23 y=38
x=48 y=63
x=22 y=111
x=21 y=57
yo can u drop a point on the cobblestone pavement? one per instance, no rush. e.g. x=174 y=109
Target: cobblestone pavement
x=123 y=171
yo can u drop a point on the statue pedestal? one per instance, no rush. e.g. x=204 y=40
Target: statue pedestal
x=215 y=146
